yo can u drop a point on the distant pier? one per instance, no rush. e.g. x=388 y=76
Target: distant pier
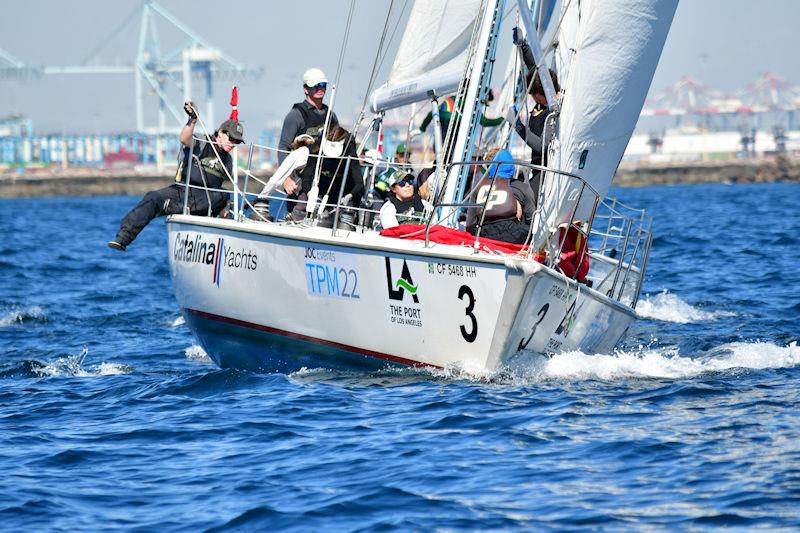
x=136 y=181
x=755 y=170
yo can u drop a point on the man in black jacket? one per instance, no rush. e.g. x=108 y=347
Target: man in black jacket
x=533 y=134
x=210 y=165
x=307 y=117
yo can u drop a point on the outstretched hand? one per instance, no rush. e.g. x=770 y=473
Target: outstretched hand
x=190 y=109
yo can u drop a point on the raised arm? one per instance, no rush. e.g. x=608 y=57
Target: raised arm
x=188 y=130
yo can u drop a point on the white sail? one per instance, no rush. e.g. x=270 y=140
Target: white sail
x=432 y=53
x=608 y=52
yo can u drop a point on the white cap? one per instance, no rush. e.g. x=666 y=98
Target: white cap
x=314 y=76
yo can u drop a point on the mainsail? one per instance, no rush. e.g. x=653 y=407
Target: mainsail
x=432 y=54
x=607 y=54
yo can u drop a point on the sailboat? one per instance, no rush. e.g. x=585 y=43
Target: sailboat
x=277 y=297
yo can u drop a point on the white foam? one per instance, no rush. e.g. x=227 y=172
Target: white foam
x=197 y=353
x=669 y=307
x=72 y=365
x=18 y=315
x=178 y=322
x=644 y=362
x=668 y=363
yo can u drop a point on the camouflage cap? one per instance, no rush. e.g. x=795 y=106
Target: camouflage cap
x=234 y=130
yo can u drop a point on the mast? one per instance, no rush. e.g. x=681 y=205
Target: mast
x=472 y=104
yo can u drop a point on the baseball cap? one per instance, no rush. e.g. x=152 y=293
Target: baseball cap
x=314 y=76
x=234 y=129
x=400 y=175
x=401 y=149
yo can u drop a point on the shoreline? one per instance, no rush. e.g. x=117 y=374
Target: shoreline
x=136 y=182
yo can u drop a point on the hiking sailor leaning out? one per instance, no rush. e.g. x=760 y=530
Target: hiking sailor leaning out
x=210 y=164
x=403 y=205
x=306 y=117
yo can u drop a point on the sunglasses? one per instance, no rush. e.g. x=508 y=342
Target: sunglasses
x=405 y=181
x=317 y=87
x=231 y=139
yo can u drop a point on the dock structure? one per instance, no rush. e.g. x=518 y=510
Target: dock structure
x=23 y=153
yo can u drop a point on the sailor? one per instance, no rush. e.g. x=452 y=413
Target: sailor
x=509 y=203
x=447 y=109
x=307 y=117
x=338 y=146
x=403 y=205
x=210 y=164
x=532 y=134
x=402 y=156
x=381 y=189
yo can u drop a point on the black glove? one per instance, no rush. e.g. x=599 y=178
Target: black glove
x=189 y=108
x=516 y=37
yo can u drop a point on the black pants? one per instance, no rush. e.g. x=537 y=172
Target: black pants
x=511 y=231
x=167 y=201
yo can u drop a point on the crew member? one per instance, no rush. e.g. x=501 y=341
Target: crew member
x=210 y=164
x=403 y=205
x=402 y=156
x=509 y=203
x=533 y=133
x=307 y=117
x=339 y=145
x=447 y=109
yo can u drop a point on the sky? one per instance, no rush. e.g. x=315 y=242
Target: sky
x=724 y=44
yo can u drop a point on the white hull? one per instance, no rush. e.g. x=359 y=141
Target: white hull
x=270 y=297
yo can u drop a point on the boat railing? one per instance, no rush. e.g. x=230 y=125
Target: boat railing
x=623 y=236
x=619 y=236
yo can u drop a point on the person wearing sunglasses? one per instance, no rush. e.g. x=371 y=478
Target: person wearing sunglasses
x=208 y=167
x=307 y=117
x=403 y=205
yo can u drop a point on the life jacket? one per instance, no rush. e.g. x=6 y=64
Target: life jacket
x=501 y=204
x=574 y=261
x=408 y=211
x=314 y=123
x=212 y=168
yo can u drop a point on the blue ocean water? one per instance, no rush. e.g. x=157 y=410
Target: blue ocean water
x=111 y=417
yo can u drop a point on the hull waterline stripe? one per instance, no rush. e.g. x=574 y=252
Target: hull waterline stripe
x=307 y=338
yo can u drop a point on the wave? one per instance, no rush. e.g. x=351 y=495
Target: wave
x=198 y=354
x=643 y=362
x=669 y=363
x=19 y=315
x=72 y=366
x=178 y=322
x=669 y=307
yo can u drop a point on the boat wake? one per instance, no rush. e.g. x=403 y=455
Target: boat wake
x=669 y=307
x=18 y=315
x=669 y=363
x=177 y=322
x=644 y=363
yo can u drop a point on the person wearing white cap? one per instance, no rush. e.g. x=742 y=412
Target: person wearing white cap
x=307 y=117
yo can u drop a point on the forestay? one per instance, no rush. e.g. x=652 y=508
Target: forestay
x=432 y=54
